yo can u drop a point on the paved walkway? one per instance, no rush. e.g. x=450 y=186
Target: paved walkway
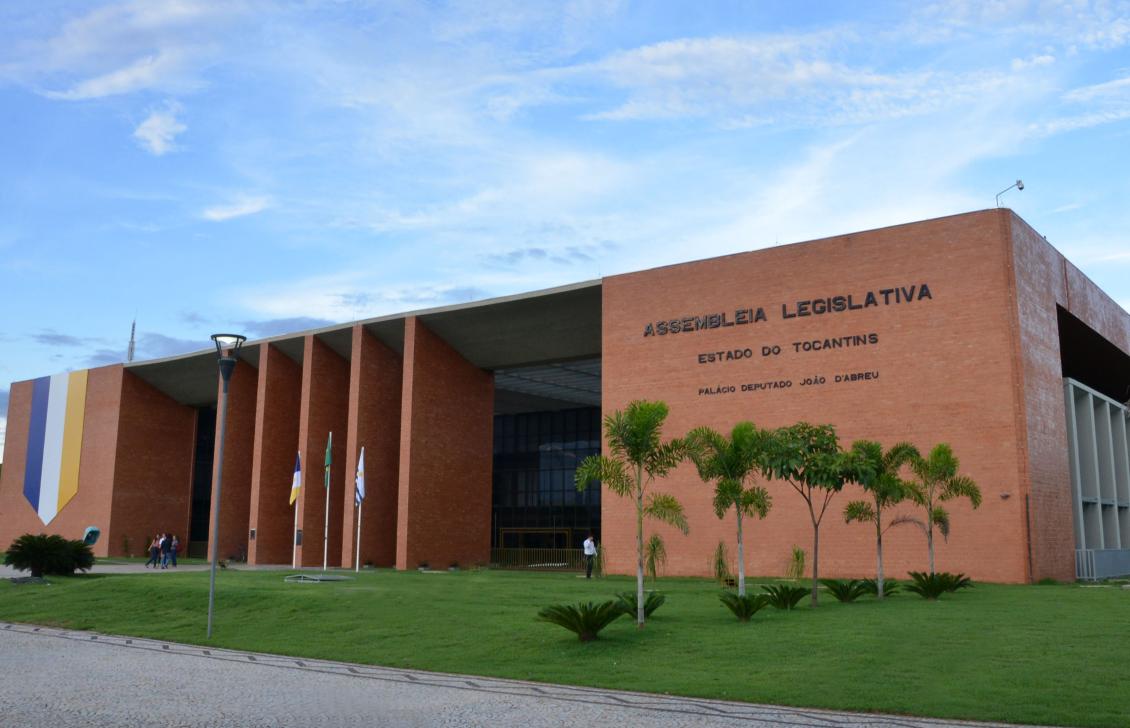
x=66 y=679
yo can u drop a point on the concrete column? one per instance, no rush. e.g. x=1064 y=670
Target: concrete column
x=446 y=440
x=278 y=400
x=374 y=423
x=325 y=409
x=235 y=487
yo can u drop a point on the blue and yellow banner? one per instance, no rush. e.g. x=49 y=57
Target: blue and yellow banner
x=54 y=442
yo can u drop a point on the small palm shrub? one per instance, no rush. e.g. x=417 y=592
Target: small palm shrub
x=929 y=586
x=654 y=556
x=598 y=562
x=785 y=596
x=720 y=564
x=795 y=570
x=586 y=619
x=652 y=601
x=42 y=554
x=743 y=606
x=846 y=590
x=953 y=582
x=890 y=586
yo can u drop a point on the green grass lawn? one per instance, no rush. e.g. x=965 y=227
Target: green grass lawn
x=1030 y=654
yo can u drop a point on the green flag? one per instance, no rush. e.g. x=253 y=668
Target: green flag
x=329 y=459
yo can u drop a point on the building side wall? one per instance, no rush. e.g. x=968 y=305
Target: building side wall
x=278 y=402
x=324 y=409
x=446 y=441
x=91 y=504
x=235 y=486
x=375 y=375
x=944 y=367
x=152 y=485
x=1044 y=280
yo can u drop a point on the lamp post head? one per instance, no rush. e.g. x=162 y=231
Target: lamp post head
x=228 y=343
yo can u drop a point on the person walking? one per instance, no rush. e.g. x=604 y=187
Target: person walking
x=590 y=554
x=166 y=545
x=173 y=549
x=154 y=552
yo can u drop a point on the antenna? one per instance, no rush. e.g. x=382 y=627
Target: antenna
x=1018 y=184
x=132 y=331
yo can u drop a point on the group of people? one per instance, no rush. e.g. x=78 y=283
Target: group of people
x=163 y=551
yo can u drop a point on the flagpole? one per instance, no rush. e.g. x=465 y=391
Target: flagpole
x=294 y=541
x=358 y=562
x=326 y=532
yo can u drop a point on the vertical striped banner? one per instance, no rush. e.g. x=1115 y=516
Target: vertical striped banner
x=54 y=442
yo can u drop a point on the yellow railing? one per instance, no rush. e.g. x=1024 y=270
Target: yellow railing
x=564 y=559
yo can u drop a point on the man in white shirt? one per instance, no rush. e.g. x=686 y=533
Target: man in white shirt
x=590 y=554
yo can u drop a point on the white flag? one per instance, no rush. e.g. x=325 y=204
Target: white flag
x=359 y=492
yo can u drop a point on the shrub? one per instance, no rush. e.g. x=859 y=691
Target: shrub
x=795 y=570
x=721 y=565
x=953 y=582
x=743 y=606
x=785 y=596
x=846 y=590
x=655 y=556
x=44 y=554
x=585 y=619
x=890 y=586
x=652 y=601
x=927 y=586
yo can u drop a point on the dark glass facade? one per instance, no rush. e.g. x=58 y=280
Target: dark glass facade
x=535 y=504
x=202 y=474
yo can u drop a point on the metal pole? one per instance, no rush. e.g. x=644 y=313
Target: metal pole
x=358 y=563
x=227 y=364
x=294 y=541
x=326 y=532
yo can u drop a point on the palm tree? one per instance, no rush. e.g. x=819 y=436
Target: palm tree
x=730 y=462
x=808 y=458
x=636 y=458
x=877 y=472
x=938 y=482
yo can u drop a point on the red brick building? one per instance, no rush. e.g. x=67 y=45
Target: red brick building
x=969 y=329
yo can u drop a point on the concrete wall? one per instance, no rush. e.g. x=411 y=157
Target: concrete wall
x=446 y=441
x=945 y=373
x=375 y=374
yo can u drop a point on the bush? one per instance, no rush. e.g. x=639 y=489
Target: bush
x=743 y=606
x=785 y=596
x=890 y=586
x=846 y=590
x=795 y=570
x=45 y=554
x=652 y=601
x=927 y=586
x=720 y=564
x=585 y=619
x=953 y=582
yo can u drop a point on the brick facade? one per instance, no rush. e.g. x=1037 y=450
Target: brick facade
x=975 y=363
x=278 y=402
x=375 y=374
x=445 y=455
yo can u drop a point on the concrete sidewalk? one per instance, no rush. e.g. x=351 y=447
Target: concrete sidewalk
x=66 y=679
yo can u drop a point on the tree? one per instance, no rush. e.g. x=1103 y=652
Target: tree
x=729 y=463
x=937 y=482
x=877 y=472
x=636 y=458
x=808 y=458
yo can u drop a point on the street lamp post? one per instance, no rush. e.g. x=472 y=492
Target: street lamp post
x=227 y=351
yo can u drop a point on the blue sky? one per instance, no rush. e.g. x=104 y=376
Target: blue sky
x=264 y=167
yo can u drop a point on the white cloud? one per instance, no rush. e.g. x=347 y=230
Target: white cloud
x=241 y=207
x=146 y=72
x=160 y=129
